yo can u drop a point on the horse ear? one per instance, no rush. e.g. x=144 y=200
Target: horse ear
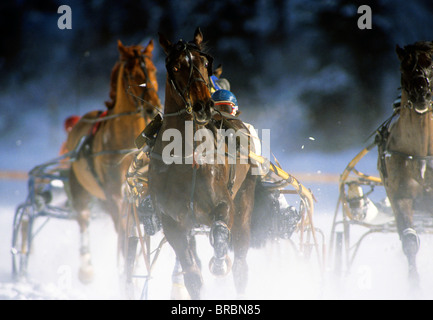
x=120 y=45
x=198 y=37
x=165 y=43
x=148 y=50
x=218 y=71
x=401 y=53
x=122 y=50
x=431 y=47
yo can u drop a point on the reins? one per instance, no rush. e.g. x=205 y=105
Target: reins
x=112 y=116
x=180 y=47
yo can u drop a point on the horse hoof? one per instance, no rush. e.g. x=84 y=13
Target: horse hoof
x=410 y=242
x=179 y=292
x=86 y=274
x=220 y=267
x=413 y=277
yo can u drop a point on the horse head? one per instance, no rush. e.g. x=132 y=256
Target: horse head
x=416 y=74
x=188 y=71
x=139 y=76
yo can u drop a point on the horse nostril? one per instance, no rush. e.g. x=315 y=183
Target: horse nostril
x=199 y=107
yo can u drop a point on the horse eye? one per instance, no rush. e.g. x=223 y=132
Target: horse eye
x=175 y=69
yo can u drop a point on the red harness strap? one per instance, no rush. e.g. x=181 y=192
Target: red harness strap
x=97 y=124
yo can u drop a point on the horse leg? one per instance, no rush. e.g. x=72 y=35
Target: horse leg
x=113 y=206
x=408 y=236
x=178 y=238
x=244 y=203
x=80 y=200
x=402 y=188
x=114 y=199
x=178 y=290
x=193 y=246
x=219 y=237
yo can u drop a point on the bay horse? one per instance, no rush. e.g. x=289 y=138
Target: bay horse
x=406 y=155
x=100 y=169
x=186 y=195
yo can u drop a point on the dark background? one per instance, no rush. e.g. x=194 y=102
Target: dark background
x=299 y=67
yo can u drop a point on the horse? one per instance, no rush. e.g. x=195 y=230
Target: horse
x=100 y=168
x=405 y=159
x=190 y=194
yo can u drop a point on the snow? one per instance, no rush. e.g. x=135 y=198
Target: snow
x=31 y=116
x=275 y=272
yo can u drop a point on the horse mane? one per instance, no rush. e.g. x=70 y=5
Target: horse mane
x=420 y=52
x=420 y=46
x=113 y=86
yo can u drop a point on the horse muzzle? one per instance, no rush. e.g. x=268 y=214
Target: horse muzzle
x=421 y=106
x=420 y=100
x=203 y=111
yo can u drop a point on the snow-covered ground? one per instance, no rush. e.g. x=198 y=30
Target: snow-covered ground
x=31 y=132
x=276 y=271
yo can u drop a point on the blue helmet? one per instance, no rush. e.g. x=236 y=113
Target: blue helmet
x=221 y=96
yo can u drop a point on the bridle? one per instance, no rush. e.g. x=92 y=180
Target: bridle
x=139 y=100
x=177 y=50
x=425 y=74
x=383 y=131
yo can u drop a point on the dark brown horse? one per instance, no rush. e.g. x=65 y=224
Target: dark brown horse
x=102 y=164
x=187 y=194
x=406 y=154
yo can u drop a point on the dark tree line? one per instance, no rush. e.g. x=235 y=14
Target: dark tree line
x=260 y=44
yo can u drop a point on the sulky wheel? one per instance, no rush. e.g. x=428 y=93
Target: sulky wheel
x=21 y=240
x=132 y=254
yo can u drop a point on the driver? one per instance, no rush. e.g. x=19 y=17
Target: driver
x=286 y=215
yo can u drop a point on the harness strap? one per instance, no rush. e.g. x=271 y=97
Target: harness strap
x=191 y=199
x=194 y=178
x=107 y=152
x=97 y=124
x=178 y=113
x=225 y=115
x=232 y=176
x=112 y=116
x=87 y=147
x=408 y=156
